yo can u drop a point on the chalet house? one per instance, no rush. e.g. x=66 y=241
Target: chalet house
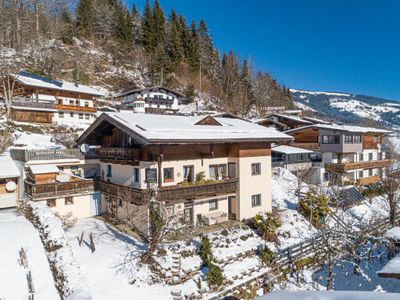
x=208 y=169
x=61 y=178
x=292 y=158
x=350 y=154
x=151 y=100
x=41 y=100
x=10 y=177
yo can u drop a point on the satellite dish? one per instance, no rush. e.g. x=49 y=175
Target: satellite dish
x=85 y=148
x=11 y=186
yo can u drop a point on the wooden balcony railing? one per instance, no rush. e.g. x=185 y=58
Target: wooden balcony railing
x=308 y=146
x=367 y=180
x=75 y=108
x=368 y=146
x=137 y=196
x=50 y=154
x=169 y=194
x=119 y=155
x=195 y=191
x=32 y=103
x=58 y=189
x=344 y=167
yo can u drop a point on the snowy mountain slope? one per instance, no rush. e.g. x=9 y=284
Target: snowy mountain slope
x=349 y=108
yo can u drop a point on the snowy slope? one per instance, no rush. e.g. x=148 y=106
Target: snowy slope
x=17 y=232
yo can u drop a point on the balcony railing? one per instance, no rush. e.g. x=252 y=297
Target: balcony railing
x=75 y=108
x=168 y=194
x=367 y=180
x=50 y=154
x=344 y=167
x=368 y=146
x=58 y=189
x=32 y=103
x=119 y=154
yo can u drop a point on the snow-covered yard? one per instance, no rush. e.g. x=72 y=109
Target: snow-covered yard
x=15 y=233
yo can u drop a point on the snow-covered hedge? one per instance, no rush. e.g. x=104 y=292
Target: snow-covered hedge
x=68 y=277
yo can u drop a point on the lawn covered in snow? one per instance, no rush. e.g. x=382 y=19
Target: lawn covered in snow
x=17 y=232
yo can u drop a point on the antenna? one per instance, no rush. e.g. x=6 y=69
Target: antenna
x=85 y=148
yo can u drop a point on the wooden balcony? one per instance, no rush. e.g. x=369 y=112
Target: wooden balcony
x=83 y=109
x=369 y=146
x=119 y=155
x=197 y=191
x=367 y=180
x=308 y=146
x=345 y=167
x=32 y=103
x=169 y=194
x=58 y=189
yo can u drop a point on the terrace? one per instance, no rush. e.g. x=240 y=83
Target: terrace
x=25 y=155
x=345 y=167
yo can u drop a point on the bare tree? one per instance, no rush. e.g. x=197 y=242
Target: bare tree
x=65 y=135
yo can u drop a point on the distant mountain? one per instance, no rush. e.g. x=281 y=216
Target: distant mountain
x=349 y=108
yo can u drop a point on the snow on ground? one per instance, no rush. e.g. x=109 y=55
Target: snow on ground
x=304 y=106
x=392 y=267
x=17 y=232
x=393 y=233
x=295 y=228
x=331 y=295
x=34 y=140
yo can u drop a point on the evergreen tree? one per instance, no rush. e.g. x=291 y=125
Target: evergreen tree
x=174 y=47
x=149 y=43
x=204 y=43
x=158 y=25
x=84 y=17
x=68 y=27
x=136 y=28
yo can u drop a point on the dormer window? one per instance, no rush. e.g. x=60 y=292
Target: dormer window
x=210 y=121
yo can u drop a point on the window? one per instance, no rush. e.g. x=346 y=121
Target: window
x=352 y=139
x=109 y=170
x=120 y=203
x=222 y=171
x=326 y=176
x=61 y=115
x=59 y=101
x=376 y=139
x=213 y=204
x=218 y=172
x=80 y=116
x=86 y=104
x=256 y=169
x=135 y=175
x=370 y=173
x=256 y=200
x=51 y=203
x=361 y=157
x=151 y=175
x=71 y=114
x=69 y=200
x=168 y=174
x=330 y=139
x=188 y=173
x=370 y=156
x=361 y=174
x=71 y=102
x=213 y=171
x=87 y=117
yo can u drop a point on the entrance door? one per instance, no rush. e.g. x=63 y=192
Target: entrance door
x=188 y=173
x=232 y=207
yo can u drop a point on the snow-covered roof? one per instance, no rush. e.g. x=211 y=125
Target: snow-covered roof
x=8 y=168
x=44 y=169
x=315 y=120
x=393 y=233
x=290 y=150
x=129 y=91
x=344 y=128
x=391 y=269
x=42 y=82
x=328 y=295
x=153 y=128
x=290 y=117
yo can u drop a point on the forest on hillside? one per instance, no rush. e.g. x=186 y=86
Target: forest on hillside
x=165 y=47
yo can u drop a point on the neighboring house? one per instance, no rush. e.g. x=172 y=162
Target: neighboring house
x=41 y=100
x=283 y=122
x=151 y=100
x=351 y=154
x=292 y=158
x=209 y=169
x=61 y=178
x=10 y=177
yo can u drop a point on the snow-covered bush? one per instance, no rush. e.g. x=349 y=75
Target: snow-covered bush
x=314 y=206
x=267 y=224
x=266 y=255
x=68 y=220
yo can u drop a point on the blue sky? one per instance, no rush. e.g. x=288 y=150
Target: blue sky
x=330 y=45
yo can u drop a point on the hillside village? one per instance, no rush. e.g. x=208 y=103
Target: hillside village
x=137 y=161
x=145 y=193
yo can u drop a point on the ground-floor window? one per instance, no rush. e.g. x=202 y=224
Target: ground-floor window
x=69 y=200
x=256 y=200
x=370 y=172
x=360 y=174
x=213 y=204
x=51 y=202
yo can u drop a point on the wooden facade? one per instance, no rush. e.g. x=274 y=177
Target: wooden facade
x=31 y=116
x=344 y=167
